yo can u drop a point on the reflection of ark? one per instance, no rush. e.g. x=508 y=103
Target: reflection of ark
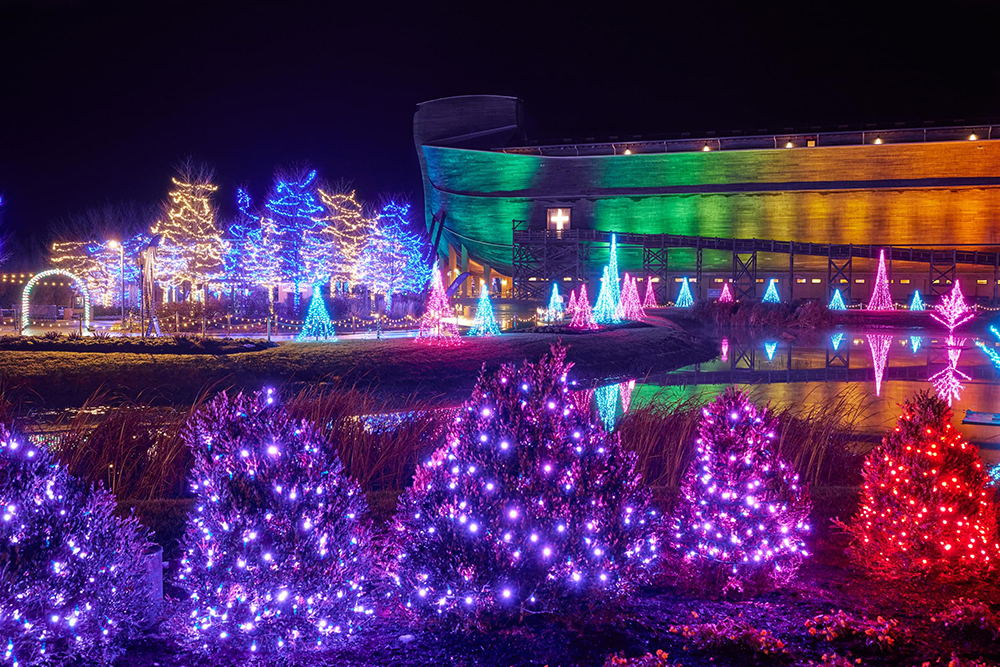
x=925 y=186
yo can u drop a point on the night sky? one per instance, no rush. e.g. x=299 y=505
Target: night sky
x=99 y=99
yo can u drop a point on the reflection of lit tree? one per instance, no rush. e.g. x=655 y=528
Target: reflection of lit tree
x=607 y=405
x=991 y=353
x=948 y=382
x=879 y=344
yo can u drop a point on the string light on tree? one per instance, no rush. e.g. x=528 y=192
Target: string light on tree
x=989 y=351
x=631 y=308
x=614 y=275
x=571 y=307
x=74 y=578
x=276 y=555
x=925 y=505
x=437 y=326
x=881 y=298
x=485 y=323
x=650 y=299
x=915 y=342
x=317 y=323
x=771 y=295
x=836 y=339
x=953 y=311
x=916 y=303
x=191 y=248
x=555 y=312
x=394 y=259
x=684 y=298
x=948 y=382
x=769 y=348
x=742 y=518
x=725 y=296
x=583 y=317
x=606 y=308
x=528 y=507
x=294 y=208
x=345 y=227
x=837 y=302
x=879 y=345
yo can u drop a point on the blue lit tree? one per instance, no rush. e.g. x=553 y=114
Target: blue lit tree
x=837 y=302
x=294 y=209
x=916 y=303
x=485 y=323
x=395 y=257
x=771 y=295
x=684 y=298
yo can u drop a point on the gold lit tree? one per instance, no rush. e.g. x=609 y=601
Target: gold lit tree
x=191 y=247
x=345 y=230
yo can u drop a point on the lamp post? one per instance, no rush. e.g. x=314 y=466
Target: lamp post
x=121 y=250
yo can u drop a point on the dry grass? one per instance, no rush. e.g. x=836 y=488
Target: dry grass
x=822 y=442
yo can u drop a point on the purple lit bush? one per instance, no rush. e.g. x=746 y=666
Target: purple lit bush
x=529 y=506
x=742 y=518
x=72 y=583
x=277 y=548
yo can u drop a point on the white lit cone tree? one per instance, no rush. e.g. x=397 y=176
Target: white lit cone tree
x=530 y=506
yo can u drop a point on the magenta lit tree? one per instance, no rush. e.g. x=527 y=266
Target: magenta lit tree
x=530 y=506
x=953 y=311
x=435 y=326
x=631 y=307
x=725 y=296
x=742 y=519
x=583 y=316
x=881 y=298
x=74 y=586
x=277 y=549
x=571 y=306
x=650 y=300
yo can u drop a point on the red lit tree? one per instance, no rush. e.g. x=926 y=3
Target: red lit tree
x=530 y=506
x=277 y=549
x=925 y=508
x=742 y=518
x=73 y=585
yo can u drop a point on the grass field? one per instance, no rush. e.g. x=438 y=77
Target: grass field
x=395 y=367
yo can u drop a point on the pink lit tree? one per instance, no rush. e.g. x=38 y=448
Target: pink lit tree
x=571 y=306
x=650 y=300
x=435 y=326
x=881 y=298
x=925 y=505
x=277 y=550
x=529 y=506
x=742 y=518
x=583 y=317
x=725 y=296
x=953 y=311
x=879 y=345
x=631 y=308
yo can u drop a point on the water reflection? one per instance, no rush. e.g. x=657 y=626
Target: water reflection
x=819 y=369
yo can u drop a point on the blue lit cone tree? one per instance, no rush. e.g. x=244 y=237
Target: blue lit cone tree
x=73 y=584
x=742 y=518
x=485 y=323
x=277 y=549
x=530 y=506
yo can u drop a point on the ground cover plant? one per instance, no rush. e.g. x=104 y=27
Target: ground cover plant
x=131 y=344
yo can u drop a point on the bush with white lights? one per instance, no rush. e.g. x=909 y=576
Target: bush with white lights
x=277 y=548
x=529 y=506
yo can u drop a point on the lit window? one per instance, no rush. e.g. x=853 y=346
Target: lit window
x=677 y=280
x=859 y=281
x=558 y=219
x=816 y=281
x=843 y=281
x=718 y=280
x=760 y=280
x=905 y=281
x=800 y=280
x=982 y=282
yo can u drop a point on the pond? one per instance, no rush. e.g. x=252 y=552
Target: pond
x=869 y=372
